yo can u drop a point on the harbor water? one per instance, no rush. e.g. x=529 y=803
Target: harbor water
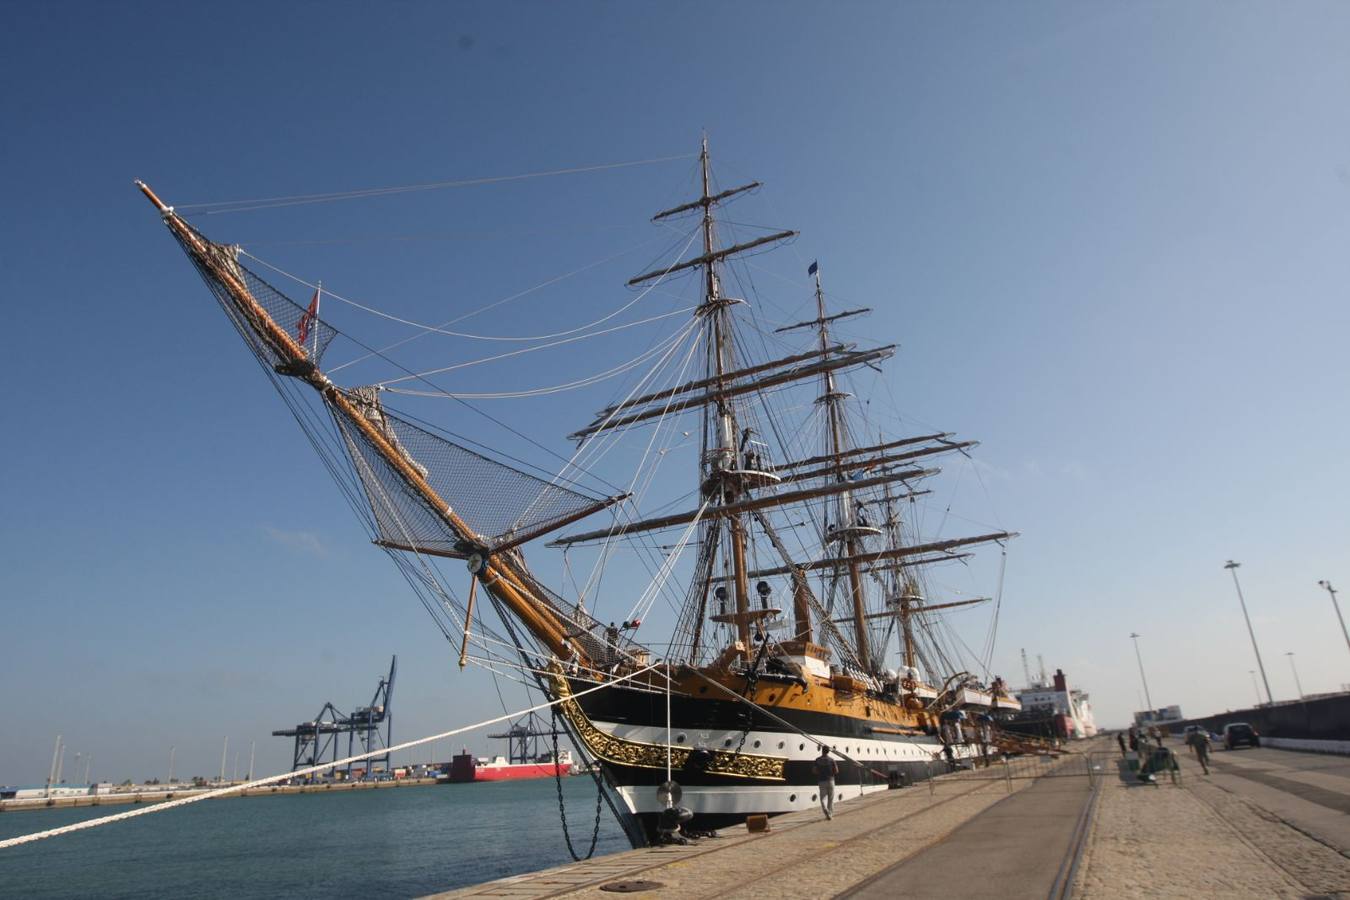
x=401 y=842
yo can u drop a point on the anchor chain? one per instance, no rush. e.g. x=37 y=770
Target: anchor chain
x=562 y=807
x=751 y=682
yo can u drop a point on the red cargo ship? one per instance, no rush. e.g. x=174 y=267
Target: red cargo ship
x=465 y=767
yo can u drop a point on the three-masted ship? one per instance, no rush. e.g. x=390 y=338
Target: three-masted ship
x=803 y=567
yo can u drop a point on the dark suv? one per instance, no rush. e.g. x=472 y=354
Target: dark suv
x=1238 y=734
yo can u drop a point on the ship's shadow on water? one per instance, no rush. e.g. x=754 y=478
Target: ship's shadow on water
x=399 y=842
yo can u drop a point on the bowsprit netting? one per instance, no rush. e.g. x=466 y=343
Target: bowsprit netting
x=307 y=330
x=494 y=500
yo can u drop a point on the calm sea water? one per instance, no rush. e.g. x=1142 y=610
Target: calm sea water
x=400 y=842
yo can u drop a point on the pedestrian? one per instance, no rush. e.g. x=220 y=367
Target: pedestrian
x=1134 y=739
x=826 y=771
x=1199 y=741
x=1120 y=739
x=1156 y=733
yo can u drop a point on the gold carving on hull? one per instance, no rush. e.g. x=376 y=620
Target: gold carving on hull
x=643 y=755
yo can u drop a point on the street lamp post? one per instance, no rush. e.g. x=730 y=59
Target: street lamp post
x=1233 y=567
x=1332 y=591
x=1255 y=688
x=1135 y=637
x=1298 y=684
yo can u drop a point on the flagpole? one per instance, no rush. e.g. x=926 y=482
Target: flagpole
x=318 y=298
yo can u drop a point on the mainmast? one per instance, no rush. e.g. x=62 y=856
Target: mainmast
x=847 y=525
x=902 y=584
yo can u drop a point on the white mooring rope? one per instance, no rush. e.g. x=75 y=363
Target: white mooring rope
x=234 y=789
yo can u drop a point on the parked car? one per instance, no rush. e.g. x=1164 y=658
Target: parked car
x=1239 y=734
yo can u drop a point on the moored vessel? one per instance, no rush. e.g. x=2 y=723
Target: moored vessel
x=465 y=767
x=794 y=574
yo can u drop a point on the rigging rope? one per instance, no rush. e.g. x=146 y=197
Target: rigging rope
x=433 y=329
x=234 y=206
x=557 y=388
x=273 y=779
x=486 y=359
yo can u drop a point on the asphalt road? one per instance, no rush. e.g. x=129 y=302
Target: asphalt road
x=1310 y=791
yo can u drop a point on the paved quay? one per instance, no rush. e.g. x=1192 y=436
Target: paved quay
x=969 y=835
x=804 y=855
x=1242 y=831
x=1019 y=847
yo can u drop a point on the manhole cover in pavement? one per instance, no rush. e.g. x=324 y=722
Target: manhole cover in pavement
x=631 y=887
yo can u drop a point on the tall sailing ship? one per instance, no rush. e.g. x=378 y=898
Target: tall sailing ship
x=802 y=570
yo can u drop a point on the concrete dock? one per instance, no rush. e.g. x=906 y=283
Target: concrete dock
x=1083 y=827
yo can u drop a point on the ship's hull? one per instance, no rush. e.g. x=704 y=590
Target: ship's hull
x=464 y=769
x=731 y=762
x=520 y=770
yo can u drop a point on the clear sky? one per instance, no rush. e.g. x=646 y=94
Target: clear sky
x=1110 y=239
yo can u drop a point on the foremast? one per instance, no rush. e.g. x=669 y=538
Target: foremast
x=725 y=456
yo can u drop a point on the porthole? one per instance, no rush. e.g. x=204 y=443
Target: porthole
x=792 y=798
x=756 y=743
x=813 y=798
x=780 y=745
x=679 y=738
x=727 y=742
x=801 y=746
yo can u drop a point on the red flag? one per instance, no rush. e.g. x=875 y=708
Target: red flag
x=302 y=331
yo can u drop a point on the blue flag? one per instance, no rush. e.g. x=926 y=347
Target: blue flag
x=813 y=268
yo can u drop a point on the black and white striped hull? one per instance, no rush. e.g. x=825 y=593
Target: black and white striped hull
x=632 y=718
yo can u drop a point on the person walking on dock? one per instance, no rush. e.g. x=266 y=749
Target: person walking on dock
x=1199 y=741
x=826 y=771
x=1120 y=739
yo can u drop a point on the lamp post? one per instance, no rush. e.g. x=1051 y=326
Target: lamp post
x=1233 y=567
x=1298 y=684
x=1255 y=688
x=1332 y=591
x=1135 y=637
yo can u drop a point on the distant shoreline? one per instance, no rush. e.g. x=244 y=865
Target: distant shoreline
x=159 y=796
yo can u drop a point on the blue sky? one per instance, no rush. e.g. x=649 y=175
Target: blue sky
x=1109 y=239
